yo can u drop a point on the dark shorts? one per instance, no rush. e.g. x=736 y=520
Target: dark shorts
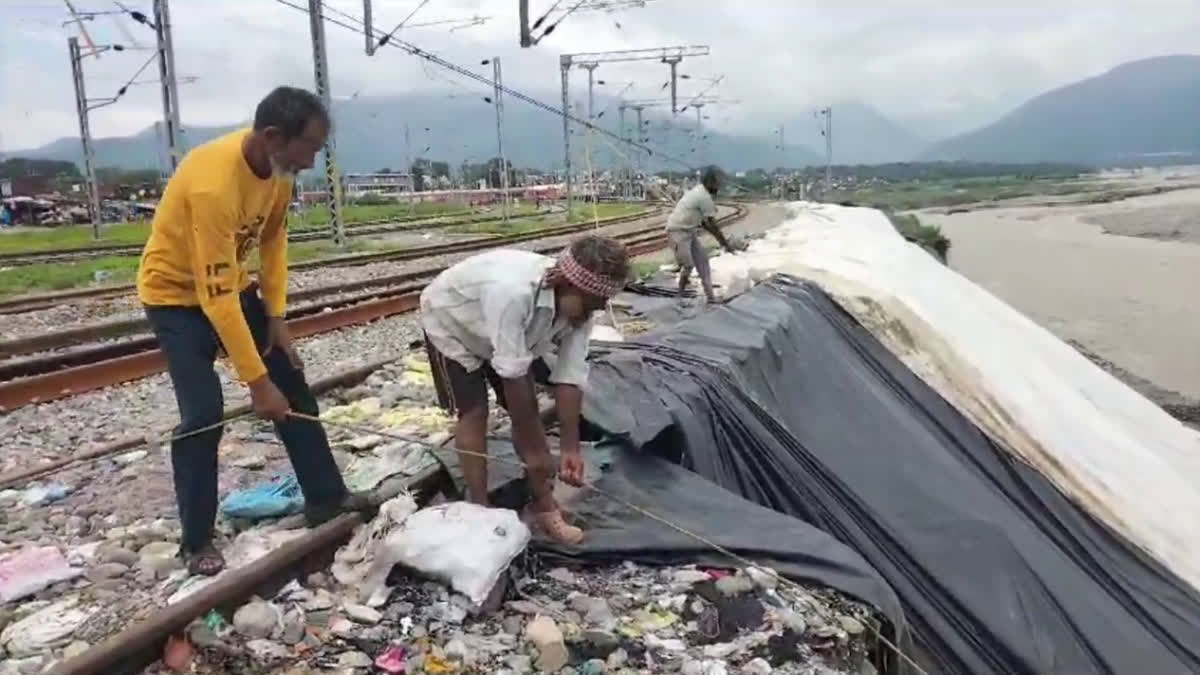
x=461 y=391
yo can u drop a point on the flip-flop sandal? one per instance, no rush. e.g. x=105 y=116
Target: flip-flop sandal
x=556 y=527
x=205 y=561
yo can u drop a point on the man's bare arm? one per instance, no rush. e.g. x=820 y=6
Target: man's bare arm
x=710 y=224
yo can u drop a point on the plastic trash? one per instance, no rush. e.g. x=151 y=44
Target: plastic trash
x=30 y=570
x=45 y=629
x=392 y=660
x=278 y=497
x=466 y=545
x=40 y=494
x=353 y=562
x=401 y=458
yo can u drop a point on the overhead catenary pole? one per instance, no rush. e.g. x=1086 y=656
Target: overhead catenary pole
x=591 y=60
x=499 y=103
x=626 y=180
x=412 y=189
x=564 y=63
x=173 y=131
x=699 y=131
x=85 y=135
x=333 y=180
x=828 y=112
x=673 y=61
x=641 y=138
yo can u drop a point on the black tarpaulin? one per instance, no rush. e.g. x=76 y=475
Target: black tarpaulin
x=785 y=399
x=664 y=497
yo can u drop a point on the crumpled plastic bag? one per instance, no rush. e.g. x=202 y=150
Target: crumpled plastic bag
x=45 y=629
x=353 y=562
x=30 y=570
x=366 y=472
x=280 y=496
x=466 y=545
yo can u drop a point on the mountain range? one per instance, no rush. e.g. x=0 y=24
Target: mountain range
x=1137 y=113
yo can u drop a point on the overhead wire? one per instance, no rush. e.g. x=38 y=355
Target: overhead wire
x=414 y=50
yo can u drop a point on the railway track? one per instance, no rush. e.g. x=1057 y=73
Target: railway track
x=140 y=645
x=364 y=228
x=56 y=376
x=33 y=303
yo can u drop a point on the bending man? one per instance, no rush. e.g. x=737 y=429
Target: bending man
x=227 y=196
x=509 y=318
x=696 y=210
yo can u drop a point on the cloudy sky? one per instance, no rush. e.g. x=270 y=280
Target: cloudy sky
x=937 y=66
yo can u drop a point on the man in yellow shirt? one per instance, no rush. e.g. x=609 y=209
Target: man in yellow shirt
x=226 y=197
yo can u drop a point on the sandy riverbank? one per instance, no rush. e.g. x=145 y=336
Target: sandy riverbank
x=1128 y=299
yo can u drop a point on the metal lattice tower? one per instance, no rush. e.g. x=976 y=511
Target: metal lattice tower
x=333 y=179
x=592 y=60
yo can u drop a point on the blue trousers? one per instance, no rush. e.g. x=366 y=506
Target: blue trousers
x=190 y=343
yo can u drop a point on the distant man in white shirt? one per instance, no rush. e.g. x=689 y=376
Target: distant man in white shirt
x=696 y=210
x=508 y=318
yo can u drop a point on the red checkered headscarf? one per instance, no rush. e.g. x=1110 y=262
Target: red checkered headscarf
x=580 y=277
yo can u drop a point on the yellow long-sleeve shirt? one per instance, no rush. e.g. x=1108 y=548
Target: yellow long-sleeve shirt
x=211 y=215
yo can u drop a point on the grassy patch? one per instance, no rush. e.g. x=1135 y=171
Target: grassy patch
x=318 y=215
x=123 y=269
x=604 y=210
x=929 y=237
x=61 y=276
x=514 y=226
x=913 y=195
x=72 y=236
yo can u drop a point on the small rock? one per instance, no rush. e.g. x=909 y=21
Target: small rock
x=617 y=659
x=104 y=571
x=512 y=624
x=268 y=650
x=546 y=636
x=342 y=627
x=562 y=574
x=75 y=649
x=524 y=607
x=293 y=628
x=690 y=576
x=119 y=555
x=593 y=667
x=256 y=619
x=354 y=660
x=757 y=666
x=456 y=650
x=793 y=620
x=763 y=577
x=599 y=643
x=362 y=614
x=851 y=625
x=203 y=636
x=734 y=584
x=520 y=663
x=250 y=462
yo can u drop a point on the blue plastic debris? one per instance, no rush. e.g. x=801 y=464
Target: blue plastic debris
x=280 y=496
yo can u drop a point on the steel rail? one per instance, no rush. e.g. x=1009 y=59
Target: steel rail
x=362 y=228
x=81 y=334
x=96 y=375
x=31 y=303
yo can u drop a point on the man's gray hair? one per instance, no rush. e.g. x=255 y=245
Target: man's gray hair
x=289 y=109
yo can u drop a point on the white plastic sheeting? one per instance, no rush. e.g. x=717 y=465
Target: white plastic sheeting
x=1108 y=448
